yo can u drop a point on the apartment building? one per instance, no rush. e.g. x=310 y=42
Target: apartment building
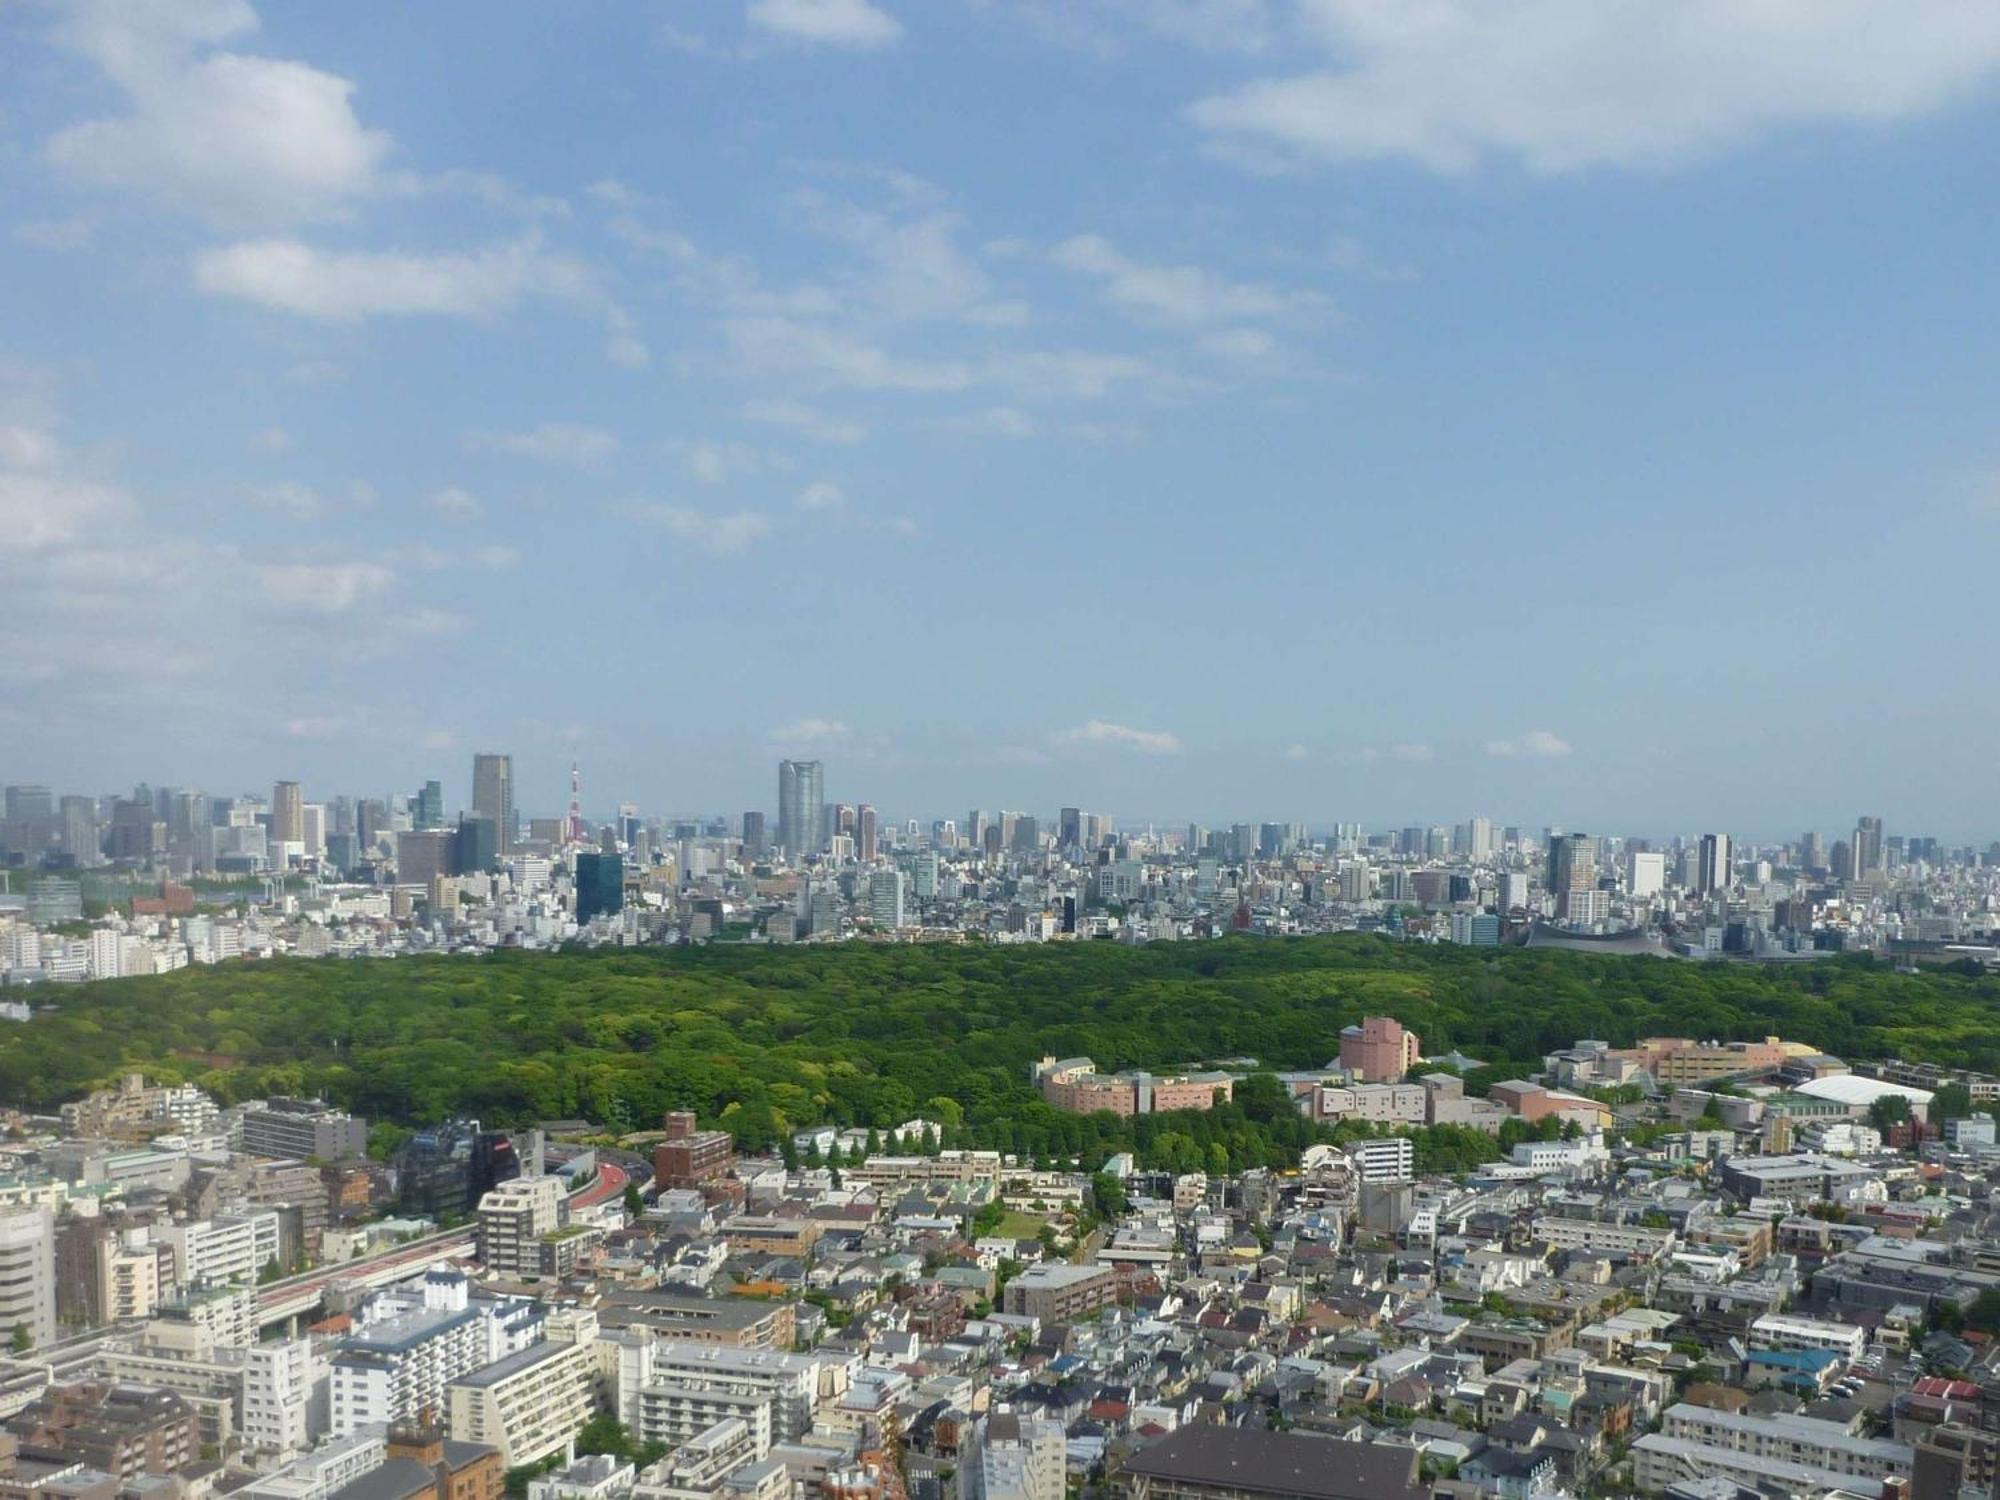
x=1057 y=1293
x=1826 y=1447
x=530 y=1404
x=513 y=1219
x=1784 y=1331
x=227 y=1249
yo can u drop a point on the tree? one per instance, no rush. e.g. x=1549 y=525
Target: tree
x=635 y=1206
x=1950 y=1101
x=21 y=1340
x=1888 y=1112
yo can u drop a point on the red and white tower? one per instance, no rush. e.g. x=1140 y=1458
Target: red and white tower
x=575 y=804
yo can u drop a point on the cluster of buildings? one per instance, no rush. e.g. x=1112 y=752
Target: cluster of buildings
x=140 y=883
x=1749 y=1277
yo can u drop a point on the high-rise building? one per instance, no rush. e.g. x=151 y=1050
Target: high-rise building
x=493 y=795
x=600 y=886
x=864 y=834
x=801 y=807
x=1069 y=828
x=1010 y=1457
x=1867 y=847
x=478 y=844
x=1812 y=851
x=1712 y=865
x=288 y=814
x=1479 y=838
x=428 y=809
x=77 y=830
x=421 y=857
x=756 y=838
x=1571 y=876
x=885 y=899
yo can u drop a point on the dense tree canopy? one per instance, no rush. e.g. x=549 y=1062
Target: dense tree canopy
x=764 y=1040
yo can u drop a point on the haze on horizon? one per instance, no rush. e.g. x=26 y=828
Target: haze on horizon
x=1184 y=408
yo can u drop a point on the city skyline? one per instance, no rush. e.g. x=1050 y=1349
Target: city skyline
x=1138 y=402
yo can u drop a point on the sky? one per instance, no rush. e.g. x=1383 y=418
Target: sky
x=1565 y=411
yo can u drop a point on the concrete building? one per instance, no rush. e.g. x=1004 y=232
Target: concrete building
x=1010 y=1457
x=1379 y=1050
x=1058 y=1293
x=530 y=1404
x=28 y=1275
x=513 y=1219
x=1203 y=1462
x=689 y=1156
x=295 y=1129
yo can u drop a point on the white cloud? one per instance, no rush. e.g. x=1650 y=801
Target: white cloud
x=330 y=588
x=722 y=535
x=272 y=440
x=453 y=503
x=56 y=234
x=821 y=495
x=1176 y=294
x=288 y=497
x=834 y=23
x=805 y=420
x=238 y=140
x=994 y=421
x=1296 y=752
x=718 y=463
x=345 y=285
x=1123 y=736
x=1414 y=751
x=1535 y=744
x=569 y=443
x=830 y=357
x=41 y=510
x=1566 y=85
x=811 y=732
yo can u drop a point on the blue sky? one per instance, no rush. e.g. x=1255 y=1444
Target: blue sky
x=1564 y=410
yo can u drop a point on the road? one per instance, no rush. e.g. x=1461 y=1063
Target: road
x=608 y=1184
x=283 y=1299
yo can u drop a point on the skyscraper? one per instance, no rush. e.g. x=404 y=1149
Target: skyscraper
x=864 y=833
x=1069 y=828
x=1867 y=847
x=600 y=886
x=1712 y=870
x=429 y=809
x=1571 y=876
x=801 y=807
x=756 y=840
x=493 y=795
x=885 y=899
x=288 y=814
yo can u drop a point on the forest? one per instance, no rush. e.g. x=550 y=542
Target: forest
x=765 y=1040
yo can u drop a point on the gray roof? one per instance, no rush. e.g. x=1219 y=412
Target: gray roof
x=1280 y=1463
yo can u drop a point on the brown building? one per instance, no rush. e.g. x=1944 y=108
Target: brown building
x=1057 y=1293
x=740 y=1322
x=690 y=1157
x=1379 y=1050
x=423 y=1464
x=124 y=1430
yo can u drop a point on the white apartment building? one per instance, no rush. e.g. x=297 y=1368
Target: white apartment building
x=513 y=1217
x=793 y=1385
x=278 y=1383
x=1784 y=1331
x=230 y=1248
x=28 y=1274
x=1389 y=1159
x=531 y=1404
x=1011 y=1457
x=1611 y=1239
x=128 y=1276
x=1805 y=1441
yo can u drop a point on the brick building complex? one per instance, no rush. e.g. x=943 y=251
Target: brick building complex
x=1379 y=1050
x=689 y=1157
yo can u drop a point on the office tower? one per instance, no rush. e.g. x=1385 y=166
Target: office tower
x=1026 y=838
x=1069 y=828
x=600 y=886
x=1712 y=868
x=493 y=795
x=428 y=810
x=135 y=833
x=975 y=829
x=864 y=834
x=756 y=839
x=478 y=844
x=801 y=807
x=1867 y=847
x=1437 y=843
x=1480 y=838
x=1645 y=873
x=422 y=856
x=1242 y=841
x=1841 y=861
x=371 y=821
x=885 y=899
x=991 y=843
x=77 y=830
x=312 y=829
x=288 y=816
x=1571 y=876
x=28 y=1275
x=1812 y=852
